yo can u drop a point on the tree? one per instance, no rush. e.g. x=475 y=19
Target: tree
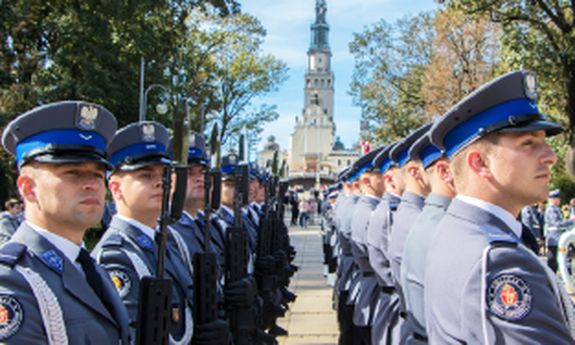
x=390 y=63
x=220 y=70
x=90 y=50
x=465 y=56
x=538 y=35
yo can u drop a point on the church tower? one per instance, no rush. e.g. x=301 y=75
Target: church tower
x=313 y=137
x=319 y=77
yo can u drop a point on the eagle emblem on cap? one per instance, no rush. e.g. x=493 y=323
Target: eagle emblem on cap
x=88 y=117
x=148 y=132
x=531 y=85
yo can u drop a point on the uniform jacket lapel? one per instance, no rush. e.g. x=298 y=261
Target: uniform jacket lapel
x=226 y=216
x=72 y=280
x=138 y=238
x=191 y=228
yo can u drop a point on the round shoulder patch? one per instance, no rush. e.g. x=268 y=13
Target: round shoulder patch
x=121 y=281
x=509 y=297
x=11 y=316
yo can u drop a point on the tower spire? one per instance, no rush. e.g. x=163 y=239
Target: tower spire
x=320 y=28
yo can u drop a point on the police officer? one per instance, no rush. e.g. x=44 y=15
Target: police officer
x=225 y=213
x=272 y=300
x=247 y=296
x=421 y=233
x=190 y=227
x=371 y=185
x=534 y=220
x=344 y=205
x=10 y=219
x=127 y=250
x=555 y=225
x=189 y=236
x=385 y=326
x=256 y=195
x=416 y=190
x=331 y=236
x=482 y=285
x=51 y=291
x=327 y=226
x=354 y=282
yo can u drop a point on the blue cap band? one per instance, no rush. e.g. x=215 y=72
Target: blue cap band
x=228 y=169
x=60 y=137
x=194 y=152
x=386 y=164
x=472 y=128
x=429 y=155
x=364 y=168
x=353 y=177
x=403 y=157
x=137 y=150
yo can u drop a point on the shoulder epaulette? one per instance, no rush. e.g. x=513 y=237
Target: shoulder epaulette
x=114 y=240
x=497 y=237
x=11 y=252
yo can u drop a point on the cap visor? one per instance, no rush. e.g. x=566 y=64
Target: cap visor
x=192 y=162
x=549 y=127
x=71 y=159
x=227 y=177
x=143 y=163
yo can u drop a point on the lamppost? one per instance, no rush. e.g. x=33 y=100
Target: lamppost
x=160 y=108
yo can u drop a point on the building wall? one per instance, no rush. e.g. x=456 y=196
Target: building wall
x=313 y=135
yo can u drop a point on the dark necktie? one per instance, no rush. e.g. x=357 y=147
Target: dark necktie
x=200 y=222
x=93 y=277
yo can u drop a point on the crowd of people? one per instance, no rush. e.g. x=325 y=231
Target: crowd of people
x=304 y=207
x=424 y=233
x=547 y=222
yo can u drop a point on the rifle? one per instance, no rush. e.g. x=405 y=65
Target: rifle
x=267 y=280
x=205 y=263
x=281 y=244
x=155 y=293
x=242 y=319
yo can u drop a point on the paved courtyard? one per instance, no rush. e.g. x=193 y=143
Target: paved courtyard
x=311 y=319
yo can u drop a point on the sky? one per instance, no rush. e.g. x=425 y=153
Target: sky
x=287 y=23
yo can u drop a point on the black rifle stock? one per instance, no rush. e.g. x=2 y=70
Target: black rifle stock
x=205 y=263
x=266 y=282
x=205 y=268
x=280 y=236
x=242 y=321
